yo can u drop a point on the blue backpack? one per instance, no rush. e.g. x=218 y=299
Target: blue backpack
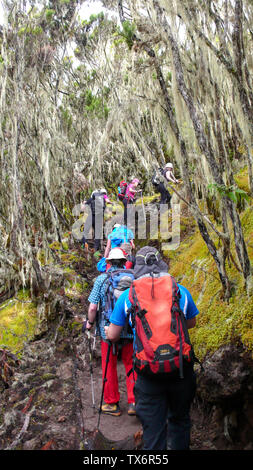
x=117 y=281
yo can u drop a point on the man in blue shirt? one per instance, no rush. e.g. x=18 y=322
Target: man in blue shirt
x=187 y=305
x=162 y=404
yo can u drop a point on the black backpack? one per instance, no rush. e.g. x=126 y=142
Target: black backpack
x=97 y=202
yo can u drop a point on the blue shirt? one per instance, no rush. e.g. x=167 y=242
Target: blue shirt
x=119 y=314
x=120 y=235
x=97 y=296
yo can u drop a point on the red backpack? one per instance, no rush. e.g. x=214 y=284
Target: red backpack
x=122 y=190
x=161 y=335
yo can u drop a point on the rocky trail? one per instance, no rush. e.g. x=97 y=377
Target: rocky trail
x=46 y=396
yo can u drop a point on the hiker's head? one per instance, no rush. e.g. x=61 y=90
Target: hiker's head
x=169 y=166
x=116 y=257
x=148 y=260
x=116 y=226
x=135 y=181
x=103 y=191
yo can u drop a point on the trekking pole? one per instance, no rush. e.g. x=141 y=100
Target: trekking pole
x=144 y=215
x=91 y=370
x=104 y=381
x=84 y=330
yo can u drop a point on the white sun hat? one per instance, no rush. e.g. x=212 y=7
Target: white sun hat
x=169 y=165
x=116 y=253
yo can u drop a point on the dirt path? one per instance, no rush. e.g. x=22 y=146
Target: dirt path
x=47 y=402
x=113 y=428
x=48 y=405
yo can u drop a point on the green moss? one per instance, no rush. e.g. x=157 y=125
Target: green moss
x=41 y=257
x=247 y=222
x=23 y=294
x=242 y=179
x=48 y=376
x=18 y=321
x=55 y=245
x=218 y=322
x=69 y=270
x=221 y=324
x=70 y=258
x=75 y=289
x=76 y=326
x=65 y=246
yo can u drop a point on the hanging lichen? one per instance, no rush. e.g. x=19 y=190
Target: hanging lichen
x=88 y=95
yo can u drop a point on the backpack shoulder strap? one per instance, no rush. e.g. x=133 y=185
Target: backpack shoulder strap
x=108 y=287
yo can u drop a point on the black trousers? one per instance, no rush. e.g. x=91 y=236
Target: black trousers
x=91 y=222
x=126 y=204
x=165 y=195
x=163 y=408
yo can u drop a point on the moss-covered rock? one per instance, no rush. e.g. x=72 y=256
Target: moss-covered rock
x=18 y=322
x=219 y=322
x=75 y=289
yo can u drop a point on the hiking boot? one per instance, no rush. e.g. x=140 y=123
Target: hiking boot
x=111 y=409
x=131 y=409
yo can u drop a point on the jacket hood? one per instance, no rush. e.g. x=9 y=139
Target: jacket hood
x=148 y=260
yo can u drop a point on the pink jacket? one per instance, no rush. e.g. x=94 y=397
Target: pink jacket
x=130 y=194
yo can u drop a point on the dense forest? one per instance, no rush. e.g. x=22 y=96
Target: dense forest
x=86 y=103
x=105 y=100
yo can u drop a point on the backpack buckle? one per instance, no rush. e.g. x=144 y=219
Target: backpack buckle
x=141 y=313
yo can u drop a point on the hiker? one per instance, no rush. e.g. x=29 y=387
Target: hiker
x=158 y=183
x=95 y=219
x=121 y=237
x=103 y=266
x=99 y=309
x=130 y=196
x=159 y=180
x=122 y=190
x=168 y=173
x=165 y=388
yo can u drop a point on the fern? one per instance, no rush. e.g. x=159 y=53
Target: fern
x=236 y=195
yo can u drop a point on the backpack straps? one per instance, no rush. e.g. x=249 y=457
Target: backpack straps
x=177 y=317
x=108 y=292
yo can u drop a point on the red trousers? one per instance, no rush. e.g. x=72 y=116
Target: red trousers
x=111 y=391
